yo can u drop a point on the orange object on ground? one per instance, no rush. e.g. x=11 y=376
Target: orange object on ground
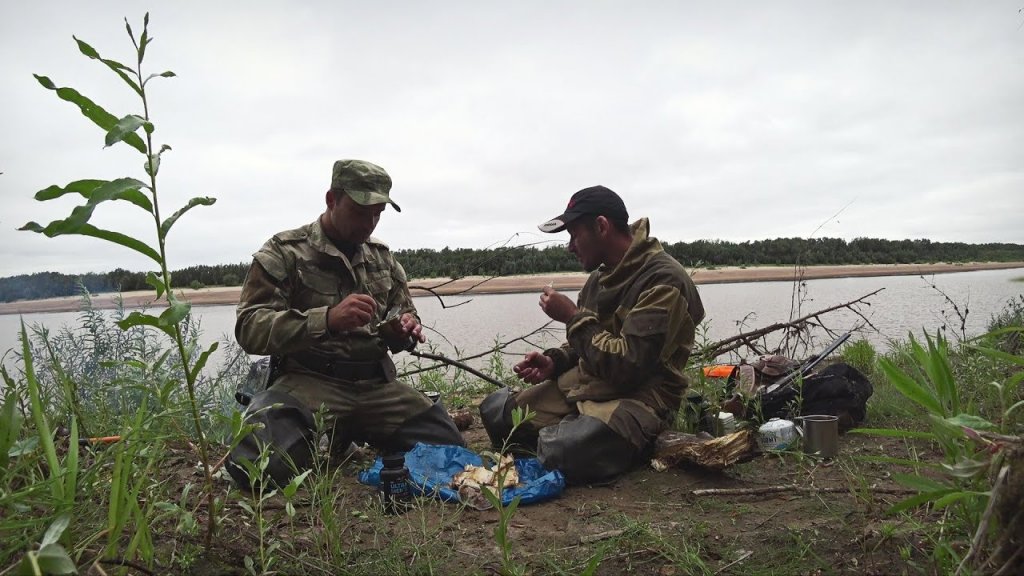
x=719 y=371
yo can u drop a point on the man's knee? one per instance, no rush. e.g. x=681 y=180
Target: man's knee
x=586 y=450
x=432 y=426
x=284 y=434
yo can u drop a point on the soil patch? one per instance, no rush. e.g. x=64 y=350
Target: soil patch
x=647 y=522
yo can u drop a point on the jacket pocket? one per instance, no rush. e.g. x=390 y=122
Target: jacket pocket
x=316 y=289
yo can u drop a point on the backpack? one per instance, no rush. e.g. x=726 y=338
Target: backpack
x=839 y=389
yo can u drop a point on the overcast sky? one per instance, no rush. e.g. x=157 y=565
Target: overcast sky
x=728 y=120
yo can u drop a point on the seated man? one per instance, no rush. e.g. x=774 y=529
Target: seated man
x=328 y=301
x=602 y=398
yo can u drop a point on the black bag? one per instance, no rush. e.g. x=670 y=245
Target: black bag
x=839 y=390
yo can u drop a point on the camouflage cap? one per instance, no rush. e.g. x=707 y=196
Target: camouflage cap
x=363 y=181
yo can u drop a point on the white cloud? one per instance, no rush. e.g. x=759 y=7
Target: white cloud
x=731 y=121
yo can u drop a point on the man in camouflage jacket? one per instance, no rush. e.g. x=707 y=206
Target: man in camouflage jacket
x=328 y=302
x=602 y=398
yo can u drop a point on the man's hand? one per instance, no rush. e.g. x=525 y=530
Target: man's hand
x=410 y=327
x=354 y=311
x=557 y=306
x=535 y=368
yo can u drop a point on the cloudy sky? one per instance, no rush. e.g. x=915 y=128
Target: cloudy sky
x=729 y=120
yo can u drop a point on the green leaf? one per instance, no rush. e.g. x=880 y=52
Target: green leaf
x=919 y=499
x=1000 y=355
x=153 y=280
x=58 y=228
x=971 y=421
x=91 y=110
x=919 y=483
x=175 y=313
x=956 y=497
x=125 y=126
x=124 y=189
x=139 y=319
x=166 y=226
x=86 y=49
x=130 y=33
x=49 y=560
x=966 y=468
x=910 y=388
x=81 y=187
x=165 y=74
x=152 y=164
x=1013 y=408
x=293 y=486
x=56 y=528
x=890 y=433
x=115 y=66
x=201 y=362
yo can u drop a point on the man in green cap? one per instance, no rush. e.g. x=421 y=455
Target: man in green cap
x=327 y=302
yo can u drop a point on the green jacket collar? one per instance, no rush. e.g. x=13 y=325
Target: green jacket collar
x=640 y=250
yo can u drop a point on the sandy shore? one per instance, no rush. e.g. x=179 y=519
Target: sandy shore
x=532 y=283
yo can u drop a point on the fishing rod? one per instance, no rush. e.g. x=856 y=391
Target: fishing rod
x=805 y=369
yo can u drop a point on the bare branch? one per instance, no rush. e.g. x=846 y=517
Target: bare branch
x=716 y=349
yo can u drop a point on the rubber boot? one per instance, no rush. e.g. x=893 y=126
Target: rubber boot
x=496 y=416
x=432 y=426
x=586 y=451
x=288 y=434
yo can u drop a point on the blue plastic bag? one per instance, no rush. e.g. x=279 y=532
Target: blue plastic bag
x=432 y=467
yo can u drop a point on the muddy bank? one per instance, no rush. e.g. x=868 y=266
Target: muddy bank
x=533 y=283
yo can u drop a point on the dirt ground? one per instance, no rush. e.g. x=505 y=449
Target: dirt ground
x=646 y=522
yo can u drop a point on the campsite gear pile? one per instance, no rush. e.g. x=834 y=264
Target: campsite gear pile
x=788 y=402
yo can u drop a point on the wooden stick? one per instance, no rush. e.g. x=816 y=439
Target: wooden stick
x=792 y=488
x=716 y=349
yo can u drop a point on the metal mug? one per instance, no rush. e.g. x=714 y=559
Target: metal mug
x=821 y=434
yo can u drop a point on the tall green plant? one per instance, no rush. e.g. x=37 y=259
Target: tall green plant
x=136 y=131
x=928 y=381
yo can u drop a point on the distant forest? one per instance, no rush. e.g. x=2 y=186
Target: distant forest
x=428 y=263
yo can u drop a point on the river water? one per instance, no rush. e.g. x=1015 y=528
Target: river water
x=472 y=324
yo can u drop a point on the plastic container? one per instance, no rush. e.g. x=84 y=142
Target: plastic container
x=776 y=434
x=395 y=489
x=725 y=424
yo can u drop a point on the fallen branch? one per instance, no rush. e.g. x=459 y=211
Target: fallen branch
x=457 y=364
x=463 y=359
x=716 y=349
x=793 y=488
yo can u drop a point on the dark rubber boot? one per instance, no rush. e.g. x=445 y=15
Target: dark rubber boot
x=496 y=416
x=432 y=426
x=586 y=451
x=288 y=434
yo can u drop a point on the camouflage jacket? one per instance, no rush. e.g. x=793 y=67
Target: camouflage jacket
x=634 y=330
x=296 y=276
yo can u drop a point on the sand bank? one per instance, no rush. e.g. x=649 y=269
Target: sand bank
x=532 y=283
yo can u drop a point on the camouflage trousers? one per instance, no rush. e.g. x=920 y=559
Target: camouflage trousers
x=389 y=415
x=589 y=441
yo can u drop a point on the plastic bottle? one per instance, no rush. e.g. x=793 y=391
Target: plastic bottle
x=395 y=488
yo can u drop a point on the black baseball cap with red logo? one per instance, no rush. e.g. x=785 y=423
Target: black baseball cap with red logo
x=593 y=201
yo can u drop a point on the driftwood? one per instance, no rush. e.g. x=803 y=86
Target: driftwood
x=673 y=447
x=748 y=339
x=794 y=488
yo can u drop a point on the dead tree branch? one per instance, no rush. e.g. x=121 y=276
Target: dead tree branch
x=463 y=359
x=747 y=339
x=795 y=488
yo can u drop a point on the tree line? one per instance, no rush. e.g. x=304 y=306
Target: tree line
x=507 y=261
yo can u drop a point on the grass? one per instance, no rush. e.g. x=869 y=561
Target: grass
x=125 y=383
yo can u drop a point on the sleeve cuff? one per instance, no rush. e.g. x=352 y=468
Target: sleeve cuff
x=316 y=323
